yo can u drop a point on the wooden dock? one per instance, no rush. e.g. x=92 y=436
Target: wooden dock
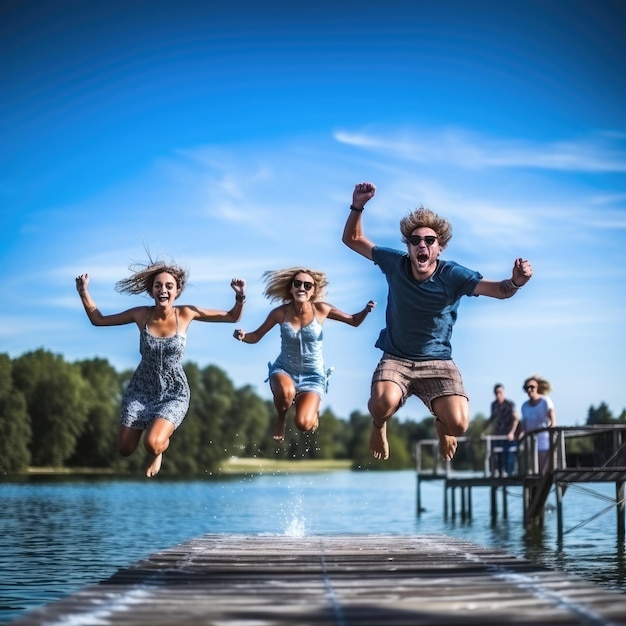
x=371 y=580
x=604 y=461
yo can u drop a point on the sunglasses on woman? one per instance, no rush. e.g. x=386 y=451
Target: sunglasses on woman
x=302 y=283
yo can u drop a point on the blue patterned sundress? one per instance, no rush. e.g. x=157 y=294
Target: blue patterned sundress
x=158 y=387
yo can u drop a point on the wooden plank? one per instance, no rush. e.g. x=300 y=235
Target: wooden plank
x=484 y=481
x=590 y=474
x=373 y=580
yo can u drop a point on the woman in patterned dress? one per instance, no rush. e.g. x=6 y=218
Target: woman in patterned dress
x=298 y=375
x=157 y=398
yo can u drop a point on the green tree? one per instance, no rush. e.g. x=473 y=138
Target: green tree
x=205 y=435
x=601 y=415
x=97 y=444
x=55 y=399
x=399 y=446
x=359 y=424
x=324 y=443
x=14 y=422
x=251 y=418
x=335 y=436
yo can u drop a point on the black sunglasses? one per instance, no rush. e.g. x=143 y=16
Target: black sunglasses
x=529 y=387
x=429 y=240
x=302 y=283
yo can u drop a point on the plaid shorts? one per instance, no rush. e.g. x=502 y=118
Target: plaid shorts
x=425 y=379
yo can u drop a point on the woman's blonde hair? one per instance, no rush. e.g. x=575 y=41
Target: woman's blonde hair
x=543 y=386
x=425 y=218
x=278 y=284
x=143 y=275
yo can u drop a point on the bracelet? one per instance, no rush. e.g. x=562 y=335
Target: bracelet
x=240 y=298
x=514 y=285
x=353 y=208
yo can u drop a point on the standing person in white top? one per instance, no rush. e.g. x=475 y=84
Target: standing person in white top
x=538 y=412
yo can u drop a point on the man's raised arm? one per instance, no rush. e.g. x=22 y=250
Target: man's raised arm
x=353 y=235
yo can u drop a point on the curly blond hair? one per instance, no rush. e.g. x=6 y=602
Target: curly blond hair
x=278 y=284
x=143 y=275
x=543 y=386
x=425 y=218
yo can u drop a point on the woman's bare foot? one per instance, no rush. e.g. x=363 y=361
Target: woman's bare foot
x=447 y=443
x=379 y=446
x=279 y=430
x=155 y=466
x=316 y=425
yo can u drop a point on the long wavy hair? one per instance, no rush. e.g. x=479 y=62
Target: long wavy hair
x=425 y=218
x=142 y=278
x=278 y=284
x=543 y=386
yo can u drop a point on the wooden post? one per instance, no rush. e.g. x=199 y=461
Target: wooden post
x=418 y=512
x=619 y=499
x=526 y=498
x=559 y=511
x=463 y=504
x=453 y=501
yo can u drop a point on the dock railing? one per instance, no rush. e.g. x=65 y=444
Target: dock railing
x=486 y=448
x=577 y=454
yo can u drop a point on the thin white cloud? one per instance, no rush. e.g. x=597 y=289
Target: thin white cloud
x=597 y=153
x=609 y=198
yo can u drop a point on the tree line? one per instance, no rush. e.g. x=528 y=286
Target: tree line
x=60 y=414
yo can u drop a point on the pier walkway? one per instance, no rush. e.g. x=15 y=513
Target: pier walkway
x=580 y=454
x=371 y=580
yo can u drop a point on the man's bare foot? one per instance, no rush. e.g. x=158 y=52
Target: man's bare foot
x=155 y=466
x=279 y=430
x=447 y=443
x=379 y=446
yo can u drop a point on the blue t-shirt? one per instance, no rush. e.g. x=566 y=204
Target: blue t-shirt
x=420 y=315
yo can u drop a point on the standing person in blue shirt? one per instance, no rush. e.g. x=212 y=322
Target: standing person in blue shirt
x=503 y=422
x=422 y=302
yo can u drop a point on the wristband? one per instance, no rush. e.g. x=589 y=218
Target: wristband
x=240 y=298
x=353 y=208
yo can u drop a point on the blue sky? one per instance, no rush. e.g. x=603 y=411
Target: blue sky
x=230 y=139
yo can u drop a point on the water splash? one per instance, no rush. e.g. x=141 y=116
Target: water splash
x=295 y=521
x=296 y=527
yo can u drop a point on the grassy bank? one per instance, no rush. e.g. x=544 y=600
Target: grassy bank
x=235 y=465
x=231 y=466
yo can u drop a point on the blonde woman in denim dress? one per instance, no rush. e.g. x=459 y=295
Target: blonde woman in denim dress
x=298 y=375
x=157 y=398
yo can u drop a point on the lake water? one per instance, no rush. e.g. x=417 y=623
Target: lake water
x=60 y=534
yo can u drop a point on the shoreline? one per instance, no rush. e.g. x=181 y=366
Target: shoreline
x=229 y=467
